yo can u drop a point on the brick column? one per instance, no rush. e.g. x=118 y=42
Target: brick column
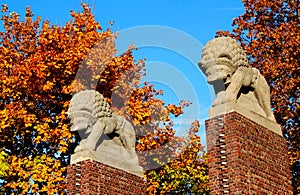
x=245 y=157
x=92 y=177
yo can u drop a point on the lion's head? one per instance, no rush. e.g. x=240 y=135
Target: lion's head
x=86 y=107
x=221 y=57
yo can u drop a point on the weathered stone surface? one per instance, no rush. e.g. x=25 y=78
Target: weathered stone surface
x=106 y=137
x=227 y=69
x=110 y=154
x=251 y=112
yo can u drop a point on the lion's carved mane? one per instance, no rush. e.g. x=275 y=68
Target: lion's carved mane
x=226 y=66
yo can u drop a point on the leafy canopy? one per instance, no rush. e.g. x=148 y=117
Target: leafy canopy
x=41 y=65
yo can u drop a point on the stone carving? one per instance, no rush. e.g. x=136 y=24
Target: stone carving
x=226 y=66
x=106 y=137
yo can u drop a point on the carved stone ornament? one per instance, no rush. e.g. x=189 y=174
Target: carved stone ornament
x=237 y=86
x=105 y=137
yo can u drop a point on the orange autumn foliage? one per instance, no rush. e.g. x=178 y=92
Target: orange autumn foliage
x=41 y=66
x=186 y=173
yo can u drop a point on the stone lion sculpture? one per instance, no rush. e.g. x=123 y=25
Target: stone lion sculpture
x=104 y=134
x=226 y=66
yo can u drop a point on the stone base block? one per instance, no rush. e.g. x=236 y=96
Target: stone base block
x=250 y=112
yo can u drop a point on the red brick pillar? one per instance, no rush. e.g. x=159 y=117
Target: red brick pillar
x=92 y=177
x=245 y=157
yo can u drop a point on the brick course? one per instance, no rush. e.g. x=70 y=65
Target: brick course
x=245 y=157
x=91 y=177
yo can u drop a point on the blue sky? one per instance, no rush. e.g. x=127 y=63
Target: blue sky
x=169 y=33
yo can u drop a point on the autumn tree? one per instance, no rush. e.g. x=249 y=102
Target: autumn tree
x=269 y=31
x=187 y=173
x=41 y=66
